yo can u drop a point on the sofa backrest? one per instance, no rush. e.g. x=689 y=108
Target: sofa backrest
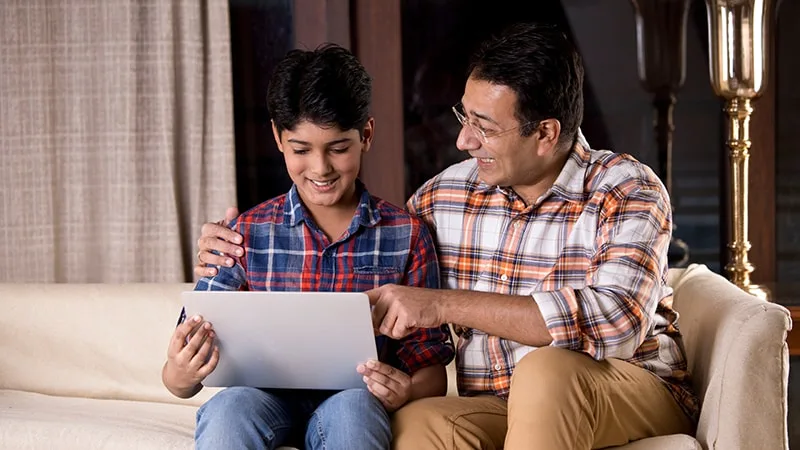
x=738 y=358
x=89 y=340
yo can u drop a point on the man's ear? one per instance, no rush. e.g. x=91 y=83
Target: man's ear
x=277 y=135
x=368 y=134
x=548 y=133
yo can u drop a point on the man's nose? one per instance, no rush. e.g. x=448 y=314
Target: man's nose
x=467 y=140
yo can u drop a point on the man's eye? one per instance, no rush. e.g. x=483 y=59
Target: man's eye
x=300 y=151
x=340 y=150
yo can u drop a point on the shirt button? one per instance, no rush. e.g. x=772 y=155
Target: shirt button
x=497 y=367
x=504 y=277
x=516 y=225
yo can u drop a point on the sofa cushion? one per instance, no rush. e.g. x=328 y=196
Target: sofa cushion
x=37 y=421
x=89 y=340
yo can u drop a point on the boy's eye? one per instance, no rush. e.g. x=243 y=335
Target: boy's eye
x=340 y=150
x=300 y=151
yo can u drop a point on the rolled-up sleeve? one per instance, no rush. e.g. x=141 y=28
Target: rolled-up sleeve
x=610 y=317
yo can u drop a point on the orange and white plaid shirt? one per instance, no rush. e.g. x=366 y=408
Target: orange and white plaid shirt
x=591 y=252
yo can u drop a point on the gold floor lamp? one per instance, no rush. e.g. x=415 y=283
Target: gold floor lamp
x=738 y=32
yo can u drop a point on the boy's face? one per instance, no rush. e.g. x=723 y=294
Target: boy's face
x=324 y=162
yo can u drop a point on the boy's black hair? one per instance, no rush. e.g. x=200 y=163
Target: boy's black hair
x=542 y=67
x=327 y=86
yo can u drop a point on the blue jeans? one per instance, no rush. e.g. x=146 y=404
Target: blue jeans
x=250 y=418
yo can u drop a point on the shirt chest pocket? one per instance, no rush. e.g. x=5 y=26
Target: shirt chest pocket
x=370 y=277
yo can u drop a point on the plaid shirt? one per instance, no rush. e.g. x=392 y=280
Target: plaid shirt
x=591 y=252
x=286 y=251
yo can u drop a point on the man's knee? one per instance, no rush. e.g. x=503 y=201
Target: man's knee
x=416 y=422
x=450 y=422
x=550 y=372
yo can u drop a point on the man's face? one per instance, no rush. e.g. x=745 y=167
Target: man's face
x=324 y=162
x=508 y=159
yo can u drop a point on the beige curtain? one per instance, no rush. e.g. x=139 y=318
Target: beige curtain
x=116 y=137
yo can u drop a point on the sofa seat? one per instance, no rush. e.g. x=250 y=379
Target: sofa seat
x=38 y=421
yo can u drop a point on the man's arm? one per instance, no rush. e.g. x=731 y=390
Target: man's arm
x=607 y=318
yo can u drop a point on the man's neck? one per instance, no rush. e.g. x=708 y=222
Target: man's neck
x=532 y=192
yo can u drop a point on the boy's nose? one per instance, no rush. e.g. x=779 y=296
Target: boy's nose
x=321 y=166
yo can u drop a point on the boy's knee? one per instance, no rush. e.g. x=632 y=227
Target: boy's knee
x=353 y=402
x=349 y=416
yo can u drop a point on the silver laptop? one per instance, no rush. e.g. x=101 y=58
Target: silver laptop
x=287 y=340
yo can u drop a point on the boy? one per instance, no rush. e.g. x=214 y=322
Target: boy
x=326 y=234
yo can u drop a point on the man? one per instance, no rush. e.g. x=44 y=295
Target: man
x=555 y=256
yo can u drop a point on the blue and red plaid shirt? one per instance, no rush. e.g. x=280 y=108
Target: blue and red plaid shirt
x=285 y=250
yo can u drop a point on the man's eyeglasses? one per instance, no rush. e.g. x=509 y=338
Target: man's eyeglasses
x=476 y=129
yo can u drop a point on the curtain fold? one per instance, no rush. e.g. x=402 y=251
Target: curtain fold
x=116 y=137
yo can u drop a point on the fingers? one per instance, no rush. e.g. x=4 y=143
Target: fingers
x=202 y=271
x=217 y=231
x=383 y=393
x=387 y=325
x=402 y=328
x=379 y=311
x=207 y=244
x=202 y=354
x=386 y=375
x=231 y=214
x=181 y=333
x=193 y=346
x=374 y=295
x=205 y=257
x=209 y=366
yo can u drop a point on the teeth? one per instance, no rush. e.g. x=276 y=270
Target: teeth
x=322 y=183
x=486 y=160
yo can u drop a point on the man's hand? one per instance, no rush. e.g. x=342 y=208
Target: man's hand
x=189 y=363
x=217 y=236
x=389 y=385
x=400 y=310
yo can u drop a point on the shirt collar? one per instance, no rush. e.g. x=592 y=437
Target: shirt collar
x=569 y=184
x=367 y=213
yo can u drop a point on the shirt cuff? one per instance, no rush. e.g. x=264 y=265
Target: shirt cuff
x=560 y=311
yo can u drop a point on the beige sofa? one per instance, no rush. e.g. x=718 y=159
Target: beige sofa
x=80 y=367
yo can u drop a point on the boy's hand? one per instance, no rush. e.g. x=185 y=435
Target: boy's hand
x=391 y=386
x=188 y=363
x=217 y=236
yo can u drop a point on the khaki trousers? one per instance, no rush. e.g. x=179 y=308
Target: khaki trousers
x=559 y=400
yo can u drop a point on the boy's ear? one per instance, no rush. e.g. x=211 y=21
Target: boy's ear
x=368 y=134
x=277 y=136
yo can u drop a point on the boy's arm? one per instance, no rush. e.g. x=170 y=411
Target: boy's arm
x=428 y=346
x=430 y=381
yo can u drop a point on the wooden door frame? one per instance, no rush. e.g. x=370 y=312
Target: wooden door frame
x=372 y=30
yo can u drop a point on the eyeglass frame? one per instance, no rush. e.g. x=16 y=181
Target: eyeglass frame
x=481 y=134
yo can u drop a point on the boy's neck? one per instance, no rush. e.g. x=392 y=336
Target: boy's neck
x=334 y=220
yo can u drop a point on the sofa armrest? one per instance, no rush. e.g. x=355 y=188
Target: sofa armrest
x=738 y=359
